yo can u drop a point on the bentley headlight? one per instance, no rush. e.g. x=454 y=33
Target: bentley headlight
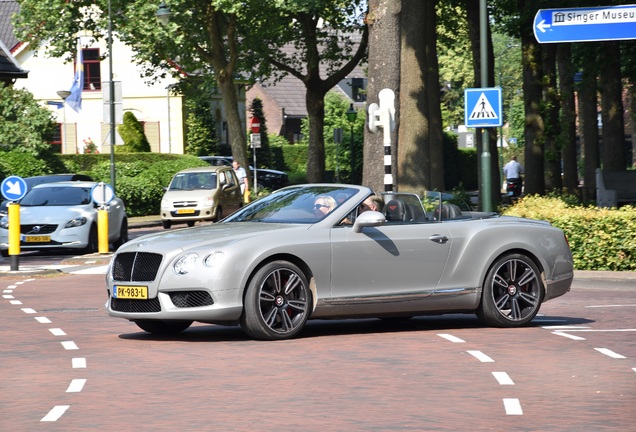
x=215 y=258
x=185 y=263
x=75 y=222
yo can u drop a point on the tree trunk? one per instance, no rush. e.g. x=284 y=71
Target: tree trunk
x=587 y=102
x=433 y=96
x=551 y=116
x=414 y=158
x=236 y=127
x=315 y=101
x=568 y=119
x=384 y=72
x=532 y=92
x=614 y=158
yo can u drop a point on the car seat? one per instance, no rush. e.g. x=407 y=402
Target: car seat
x=396 y=210
x=449 y=211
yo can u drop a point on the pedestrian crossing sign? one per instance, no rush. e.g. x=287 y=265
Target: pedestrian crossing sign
x=483 y=107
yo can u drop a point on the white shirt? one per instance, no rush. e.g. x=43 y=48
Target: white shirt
x=513 y=169
x=241 y=174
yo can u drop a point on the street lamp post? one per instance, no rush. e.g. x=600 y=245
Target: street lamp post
x=351 y=117
x=111 y=89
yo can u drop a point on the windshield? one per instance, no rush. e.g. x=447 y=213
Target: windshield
x=302 y=204
x=195 y=180
x=57 y=196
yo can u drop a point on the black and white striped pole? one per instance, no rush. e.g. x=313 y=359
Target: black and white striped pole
x=383 y=115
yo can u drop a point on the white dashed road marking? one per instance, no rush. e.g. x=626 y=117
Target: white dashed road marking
x=55 y=413
x=503 y=378
x=481 y=356
x=69 y=345
x=451 y=338
x=513 y=407
x=610 y=353
x=76 y=386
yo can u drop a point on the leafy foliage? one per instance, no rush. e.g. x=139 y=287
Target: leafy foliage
x=132 y=132
x=201 y=139
x=24 y=125
x=600 y=239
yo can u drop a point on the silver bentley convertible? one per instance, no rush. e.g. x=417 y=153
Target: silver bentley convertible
x=312 y=251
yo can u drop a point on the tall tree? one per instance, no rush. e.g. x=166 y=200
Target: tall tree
x=202 y=37
x=324 y=35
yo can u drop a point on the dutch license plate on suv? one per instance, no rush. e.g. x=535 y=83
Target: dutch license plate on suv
x=130 y=292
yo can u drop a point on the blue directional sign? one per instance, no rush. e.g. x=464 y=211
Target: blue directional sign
x=585 y=24
x=14 y=188
x=482 y=107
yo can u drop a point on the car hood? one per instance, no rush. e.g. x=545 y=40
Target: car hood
x=54 y=214
x=188 y=195
x=214 y=235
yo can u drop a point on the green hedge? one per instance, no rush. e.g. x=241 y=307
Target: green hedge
x=600 y=239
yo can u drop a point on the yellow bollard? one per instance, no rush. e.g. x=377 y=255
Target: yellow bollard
x=102 y=230
x=13 y=210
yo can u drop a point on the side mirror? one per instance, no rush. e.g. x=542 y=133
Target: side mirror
x=368 y=219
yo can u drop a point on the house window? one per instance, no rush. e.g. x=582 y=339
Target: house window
x=92 y=69
x=56 y=140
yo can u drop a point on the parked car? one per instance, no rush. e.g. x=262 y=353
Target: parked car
x=200 y=194
x=281 y=260
x=49 y=178
x=265 y=178
x=62 y=215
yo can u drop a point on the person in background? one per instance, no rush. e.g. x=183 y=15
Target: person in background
x=513 y=169
x=241 y=175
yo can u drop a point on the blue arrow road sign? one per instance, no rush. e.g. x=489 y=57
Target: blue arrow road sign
x=585 y=24
x=14 y=188
x=482 y=107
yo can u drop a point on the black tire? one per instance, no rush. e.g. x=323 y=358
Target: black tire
x=277 y=302
x=160 y=327
x=190 y=223
x=512 y=293
x=123 y=235
x=218 y=215
x=4 y=253
x=166 y=224
x=93 y=241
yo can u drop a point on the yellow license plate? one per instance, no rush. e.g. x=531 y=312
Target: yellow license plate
x=130 y=292
x=37 y=239
x=185 y=211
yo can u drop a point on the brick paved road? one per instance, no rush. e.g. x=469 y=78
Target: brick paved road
x=67 y=366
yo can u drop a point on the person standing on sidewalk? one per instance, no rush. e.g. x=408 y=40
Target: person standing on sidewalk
x=241 y=175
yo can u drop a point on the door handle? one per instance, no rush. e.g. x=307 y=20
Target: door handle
x=438 y=238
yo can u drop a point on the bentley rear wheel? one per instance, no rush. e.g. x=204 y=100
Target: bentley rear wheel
x=512 y=292
x=277 y=302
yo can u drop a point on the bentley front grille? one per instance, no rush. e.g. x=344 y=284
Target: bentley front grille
x=136 y=266
x=135 y=306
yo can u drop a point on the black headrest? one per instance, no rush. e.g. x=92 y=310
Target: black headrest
x=396 y=210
